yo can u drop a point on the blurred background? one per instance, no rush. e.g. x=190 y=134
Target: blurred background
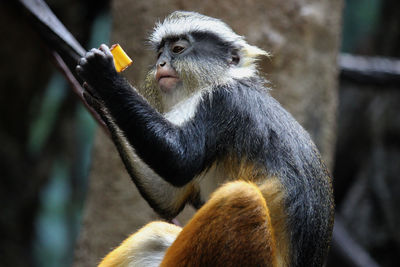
x=65 y=197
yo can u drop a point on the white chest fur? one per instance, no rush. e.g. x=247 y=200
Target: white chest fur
x=184 y=110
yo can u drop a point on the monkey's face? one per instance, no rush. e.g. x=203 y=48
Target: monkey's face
x=188 y=63
x=166 y=75
x=197 y=52
x=192 y=61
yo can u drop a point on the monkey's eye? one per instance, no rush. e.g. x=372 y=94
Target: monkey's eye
x=177 y=49
x=179 y=46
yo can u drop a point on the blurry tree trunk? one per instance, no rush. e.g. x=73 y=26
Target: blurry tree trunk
x=303 y=37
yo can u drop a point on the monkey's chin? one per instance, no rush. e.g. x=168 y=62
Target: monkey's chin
x=168 y=84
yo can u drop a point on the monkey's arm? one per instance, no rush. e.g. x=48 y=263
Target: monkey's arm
x=166 y=199
x=150 y=146
x=175 y=153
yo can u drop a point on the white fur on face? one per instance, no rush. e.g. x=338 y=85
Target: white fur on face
x=183 y=22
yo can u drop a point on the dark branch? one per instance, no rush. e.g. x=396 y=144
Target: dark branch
x=66 y=50
x=369 y=70
x=77 y=88
x=348 y=249
x=51 y=29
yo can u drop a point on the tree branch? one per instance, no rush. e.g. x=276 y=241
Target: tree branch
x=348 y=249
x=369 y=70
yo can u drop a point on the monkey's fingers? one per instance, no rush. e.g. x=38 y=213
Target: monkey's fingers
x=79 y=69
x=106 y=50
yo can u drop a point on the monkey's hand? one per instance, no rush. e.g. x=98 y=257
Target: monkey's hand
x=97 y=70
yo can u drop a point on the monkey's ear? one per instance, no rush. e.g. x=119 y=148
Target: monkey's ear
x=235 y=57
x=250 y=53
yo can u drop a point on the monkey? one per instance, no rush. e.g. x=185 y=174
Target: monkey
x=272 y=205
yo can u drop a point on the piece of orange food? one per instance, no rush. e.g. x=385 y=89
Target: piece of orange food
x=121 y=59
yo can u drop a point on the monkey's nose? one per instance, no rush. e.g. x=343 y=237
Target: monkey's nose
x=162 y=63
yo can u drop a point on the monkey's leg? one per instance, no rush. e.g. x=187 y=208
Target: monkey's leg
x=146 y=247
x=232 y=229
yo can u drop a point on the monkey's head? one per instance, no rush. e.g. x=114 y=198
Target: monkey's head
x=195 y=52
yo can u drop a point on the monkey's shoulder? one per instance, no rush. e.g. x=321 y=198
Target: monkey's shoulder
x=251 y=119
x=250 y=104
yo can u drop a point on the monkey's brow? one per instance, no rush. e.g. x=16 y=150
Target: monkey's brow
x=171 y=39
x=160 y=45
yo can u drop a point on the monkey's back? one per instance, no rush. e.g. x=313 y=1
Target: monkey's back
x=250 y=126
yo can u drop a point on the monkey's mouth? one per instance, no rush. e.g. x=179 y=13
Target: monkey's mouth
x=167 y=77
x=167 y=81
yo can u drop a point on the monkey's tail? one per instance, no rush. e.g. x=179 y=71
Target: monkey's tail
x=232 y=229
